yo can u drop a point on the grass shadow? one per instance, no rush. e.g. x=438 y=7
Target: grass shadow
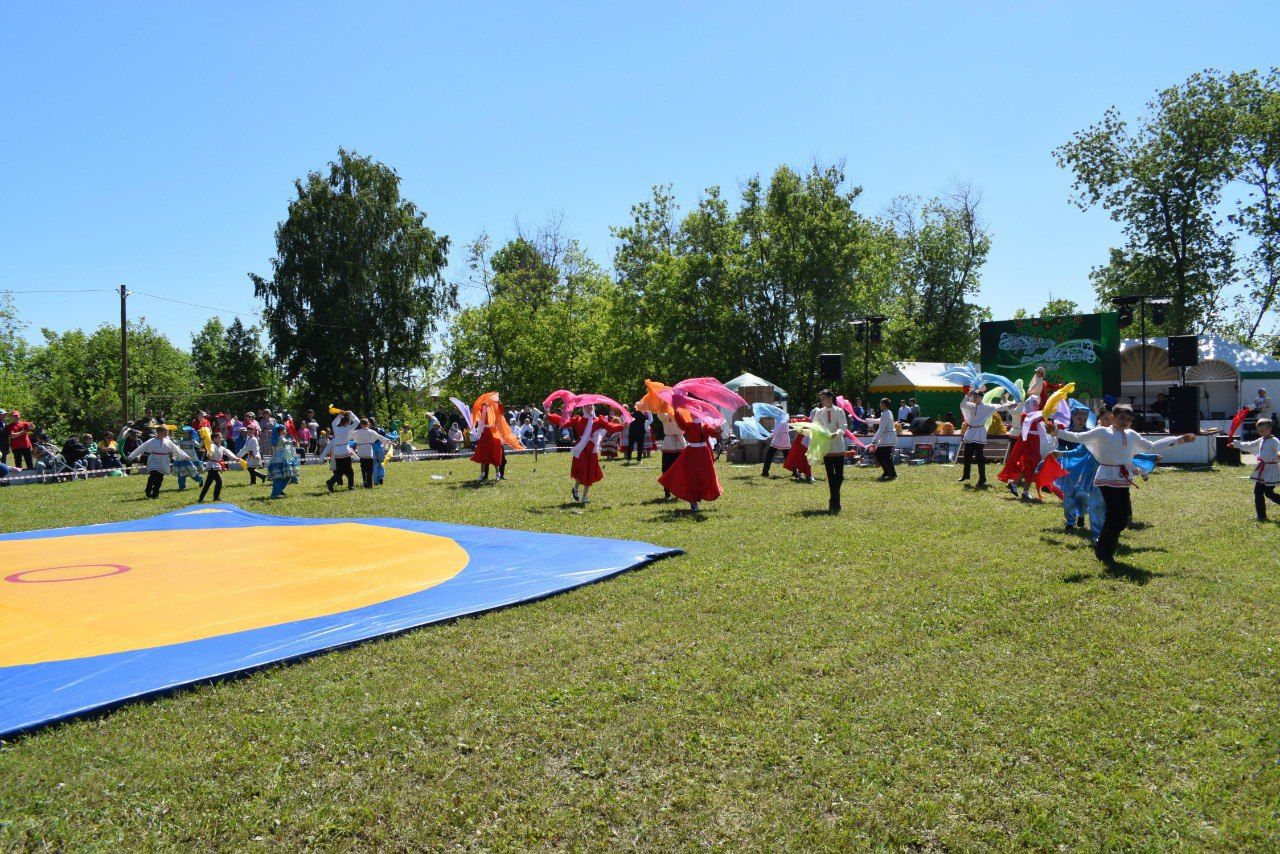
x=676 y=514
x=1128 y=572
x=815 y=511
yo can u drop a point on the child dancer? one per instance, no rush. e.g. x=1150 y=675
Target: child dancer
x=779 y=442
x=1024 y=452
x=1114 y=447
x=494 y=433
x=339 y=449
x=591 y=430
x=671 y=444
x=283 y=467
x=160 y=451
x=365 y=439
x=1267 y=473
x=835 y=421
x=188 y=441
x=797 y=461
x=213 y=461
x=886 y=441
x=251 y=453
x=692 y=477
x=974 y=441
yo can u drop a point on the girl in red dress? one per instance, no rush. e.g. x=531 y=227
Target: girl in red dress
x=1023 y=458
x=797 y=461
x=493 y=433
x=692 y=477
x=590 y=430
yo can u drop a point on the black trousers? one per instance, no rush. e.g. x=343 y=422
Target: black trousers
x=1119 y=514
x=668 y=460
x=769 y=451
x=255 y=475
x=22 y=458
x=974 y=452
x=213 y=478
x=342 y=469
x=1261 y=494
x=834 y=464
x=884 y=456
x=366 y=473
x=154 y=479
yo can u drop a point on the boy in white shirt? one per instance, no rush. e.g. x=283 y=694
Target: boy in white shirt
x=1113 y=447
x=975 y=414
x=1267 y=473
x=365 y=438
x=339 y=450
x=886 y=441
x=213 y=468
x=160 y=451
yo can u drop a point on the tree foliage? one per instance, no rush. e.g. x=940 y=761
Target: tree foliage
x=1194 y=185
x=232 y=367
x=357 y=288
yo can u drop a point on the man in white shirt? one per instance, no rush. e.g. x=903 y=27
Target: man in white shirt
x=1113 y=447
x=904 y=411
x=160 y=451
x=975 y=414
x=886 y=441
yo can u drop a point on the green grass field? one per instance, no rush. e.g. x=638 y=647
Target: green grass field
x=935 y=669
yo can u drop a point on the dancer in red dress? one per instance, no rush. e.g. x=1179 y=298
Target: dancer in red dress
x=493 y=433
x=590 y=429
x=797 y=461
x=692 y=477
x=1023 y=458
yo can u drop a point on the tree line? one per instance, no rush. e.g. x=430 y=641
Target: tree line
x=358 y=308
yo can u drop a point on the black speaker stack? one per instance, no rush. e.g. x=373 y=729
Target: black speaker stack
x=1184 y=351
x=831 y=366
x=1184 y=408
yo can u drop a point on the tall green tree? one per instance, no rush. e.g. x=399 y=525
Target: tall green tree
x=1255 y=98
x=15 y=384
x=1162 y=179
x=942 y=247
x=357 y=288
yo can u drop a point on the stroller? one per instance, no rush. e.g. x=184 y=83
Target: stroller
x=52 y=467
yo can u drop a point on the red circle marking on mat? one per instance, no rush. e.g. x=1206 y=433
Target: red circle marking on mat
x=17 y=578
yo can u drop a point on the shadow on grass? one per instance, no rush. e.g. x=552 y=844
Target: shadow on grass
x=815 y=511
x=1128 y=572
x=676 y=514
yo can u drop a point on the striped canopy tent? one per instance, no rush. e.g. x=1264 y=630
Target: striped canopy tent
x=1229 y=374
x=920 y=380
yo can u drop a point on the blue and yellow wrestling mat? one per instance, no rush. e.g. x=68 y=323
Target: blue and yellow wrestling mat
x=96 y=615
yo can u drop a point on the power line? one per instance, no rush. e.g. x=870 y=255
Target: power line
x=79 y=291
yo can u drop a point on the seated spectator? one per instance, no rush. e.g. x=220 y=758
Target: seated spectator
x=75 y=452
x=455 y=436
x=437 y=439
x=108 y=451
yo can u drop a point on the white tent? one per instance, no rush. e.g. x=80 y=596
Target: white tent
x=1229 y=374
x=751 y=381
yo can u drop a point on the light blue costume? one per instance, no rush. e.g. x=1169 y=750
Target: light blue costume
x=184 y=469
x=283 y=466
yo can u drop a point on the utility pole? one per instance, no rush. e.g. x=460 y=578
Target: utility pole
x=124 y=356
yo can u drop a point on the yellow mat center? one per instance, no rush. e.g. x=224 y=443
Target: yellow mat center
x=92 y=594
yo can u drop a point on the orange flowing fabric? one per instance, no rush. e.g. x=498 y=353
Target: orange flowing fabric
x=487 y=412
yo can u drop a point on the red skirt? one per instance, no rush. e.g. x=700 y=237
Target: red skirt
x=1022 y=460
x=798 y=459
x=488 y=450
x=692 y=477
x=586 y=468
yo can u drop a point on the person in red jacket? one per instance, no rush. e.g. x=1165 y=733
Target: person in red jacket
x=591 y=430
x=692 y=477
x=19 y=433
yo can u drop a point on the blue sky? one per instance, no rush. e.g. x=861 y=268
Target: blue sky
x=155 y=144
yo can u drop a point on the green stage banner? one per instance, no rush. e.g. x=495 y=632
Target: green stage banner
x=1074 y=348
